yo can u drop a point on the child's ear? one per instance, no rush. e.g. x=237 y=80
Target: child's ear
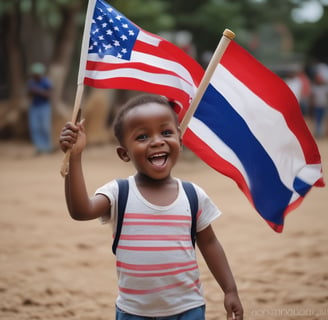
x=122 y=153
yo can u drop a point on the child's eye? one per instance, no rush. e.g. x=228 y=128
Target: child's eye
x=167 y=133
x=141 y=137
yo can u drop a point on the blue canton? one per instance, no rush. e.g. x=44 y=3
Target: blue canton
x=111 y=33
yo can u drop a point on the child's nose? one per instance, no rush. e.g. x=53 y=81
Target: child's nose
x=157 y=140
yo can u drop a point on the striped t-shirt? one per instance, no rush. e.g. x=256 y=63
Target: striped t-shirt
x=156 y=263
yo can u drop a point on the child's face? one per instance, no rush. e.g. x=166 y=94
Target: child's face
x=152 y=140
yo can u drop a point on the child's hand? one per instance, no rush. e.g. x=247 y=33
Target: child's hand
x=233 y=306
x=73 y=137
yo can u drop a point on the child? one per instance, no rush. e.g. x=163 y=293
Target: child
x=158 y=275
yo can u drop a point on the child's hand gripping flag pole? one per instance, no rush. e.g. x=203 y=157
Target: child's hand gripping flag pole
x=248 y=125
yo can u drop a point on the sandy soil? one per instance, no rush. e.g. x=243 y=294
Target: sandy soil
x=52 y=267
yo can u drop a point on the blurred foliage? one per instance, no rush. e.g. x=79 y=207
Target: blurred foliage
x=47 y=13
x=149 y=14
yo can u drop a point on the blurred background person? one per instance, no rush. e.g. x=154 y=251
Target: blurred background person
x=39 y=90
x=320 y=104
x=306 y=89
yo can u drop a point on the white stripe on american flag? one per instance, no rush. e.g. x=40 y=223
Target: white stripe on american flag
x=148 y=38
x=160 y=79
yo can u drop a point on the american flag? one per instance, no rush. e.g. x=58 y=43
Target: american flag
x=121 y=55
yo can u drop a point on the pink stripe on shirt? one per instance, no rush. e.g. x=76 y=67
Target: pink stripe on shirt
x=160 y=274
x=147 y=267
x=135 y=248
x=155 y=237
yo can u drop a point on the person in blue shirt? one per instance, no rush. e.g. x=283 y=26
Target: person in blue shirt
x=39 y=89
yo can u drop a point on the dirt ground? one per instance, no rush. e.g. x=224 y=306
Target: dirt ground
x=52 y=267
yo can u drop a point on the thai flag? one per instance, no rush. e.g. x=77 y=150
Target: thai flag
x=248 y=126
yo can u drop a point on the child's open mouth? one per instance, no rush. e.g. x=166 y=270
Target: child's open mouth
x=158 y=159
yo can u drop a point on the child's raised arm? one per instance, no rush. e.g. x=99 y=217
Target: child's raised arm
x=79 y=204
x=217 y=262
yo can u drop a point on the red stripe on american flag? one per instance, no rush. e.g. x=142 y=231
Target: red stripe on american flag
x=139 y=85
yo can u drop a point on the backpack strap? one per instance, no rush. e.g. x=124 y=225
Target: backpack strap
x=193 y=202
x=123 y=191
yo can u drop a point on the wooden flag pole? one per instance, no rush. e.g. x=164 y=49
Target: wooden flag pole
x=80 y=77
x=76 y=111
x=228 y=35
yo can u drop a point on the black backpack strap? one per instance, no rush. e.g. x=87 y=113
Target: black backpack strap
x=123 y=191
x=193 y=201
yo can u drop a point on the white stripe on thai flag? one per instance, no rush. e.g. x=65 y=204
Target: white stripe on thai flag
x=249 y=127
x=155 y=66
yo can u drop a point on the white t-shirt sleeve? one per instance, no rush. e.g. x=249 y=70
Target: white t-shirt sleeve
x=208 y=211
x=109 y=190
